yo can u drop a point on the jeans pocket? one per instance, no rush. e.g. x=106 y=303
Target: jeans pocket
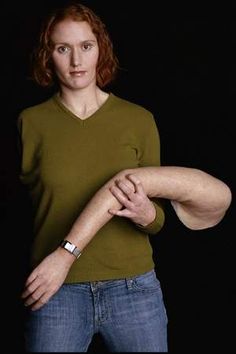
x=146 y=282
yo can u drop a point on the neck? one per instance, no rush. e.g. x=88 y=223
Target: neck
x=85 y=102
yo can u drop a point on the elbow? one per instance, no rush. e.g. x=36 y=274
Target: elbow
x=227 y=197
x=213 y=196
x=224 y=198
x=216 y=213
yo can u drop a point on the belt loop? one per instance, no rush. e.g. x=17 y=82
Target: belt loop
x=93 y=286
x=129 y=283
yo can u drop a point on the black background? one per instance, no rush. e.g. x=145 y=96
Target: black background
x=177 y=61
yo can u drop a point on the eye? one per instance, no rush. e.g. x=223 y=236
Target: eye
x=87 y=46
x=63 y=49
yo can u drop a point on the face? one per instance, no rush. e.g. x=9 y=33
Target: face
x=75 y=54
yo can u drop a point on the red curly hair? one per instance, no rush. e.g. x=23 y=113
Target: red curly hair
x=43 y=72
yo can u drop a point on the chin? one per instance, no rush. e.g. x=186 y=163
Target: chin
x=82 y=85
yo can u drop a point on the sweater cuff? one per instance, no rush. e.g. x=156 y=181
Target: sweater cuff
x=155 y=226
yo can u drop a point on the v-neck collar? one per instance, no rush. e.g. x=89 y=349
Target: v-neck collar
x=100 y=110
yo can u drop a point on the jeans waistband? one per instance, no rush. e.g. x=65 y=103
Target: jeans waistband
x=99 y=284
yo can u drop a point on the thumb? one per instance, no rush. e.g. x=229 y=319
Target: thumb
x=112 y=211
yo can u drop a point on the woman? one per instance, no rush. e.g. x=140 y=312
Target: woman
x=72 y=145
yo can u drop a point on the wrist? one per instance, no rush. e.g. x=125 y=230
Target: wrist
x=150 y=218
x=67 y=257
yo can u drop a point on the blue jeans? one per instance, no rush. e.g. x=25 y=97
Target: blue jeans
x=128 y=313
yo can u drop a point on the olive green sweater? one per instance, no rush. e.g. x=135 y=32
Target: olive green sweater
x=65 y=160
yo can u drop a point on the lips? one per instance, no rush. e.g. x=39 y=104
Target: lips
x=78 y=73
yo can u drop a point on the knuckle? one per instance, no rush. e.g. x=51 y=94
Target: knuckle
x=34 y=297
x=43 y=301
x=139 y=199
x=132 y=207
x=41 y=277
x=129 y=191
x=130 y=184
x=54 y=289
x=30 y=289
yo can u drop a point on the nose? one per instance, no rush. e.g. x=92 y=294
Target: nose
x=75 y=58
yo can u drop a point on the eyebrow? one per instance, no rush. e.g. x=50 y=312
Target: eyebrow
x=65 y=43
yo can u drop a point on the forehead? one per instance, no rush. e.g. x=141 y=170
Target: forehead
x=72 y=31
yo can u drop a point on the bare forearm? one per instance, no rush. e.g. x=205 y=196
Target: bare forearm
x=184 y=185
x=199 y=199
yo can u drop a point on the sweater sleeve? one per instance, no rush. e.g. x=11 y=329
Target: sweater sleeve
x=149 y=155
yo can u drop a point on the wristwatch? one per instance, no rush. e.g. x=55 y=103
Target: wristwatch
x=67 y=245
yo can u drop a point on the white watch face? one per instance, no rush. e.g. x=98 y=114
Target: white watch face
x=69 y=247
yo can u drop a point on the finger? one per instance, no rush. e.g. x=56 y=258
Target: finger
x=31 y=288
x=125 y=213
x=128 y=192
x=41 y=301
x=128 y=183
x=120 y=196
x=34 y=297
x=137 y=184
x=31 y=278
x=113 y=211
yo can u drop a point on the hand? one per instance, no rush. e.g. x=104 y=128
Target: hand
x=46 y=279
x=138 y=207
